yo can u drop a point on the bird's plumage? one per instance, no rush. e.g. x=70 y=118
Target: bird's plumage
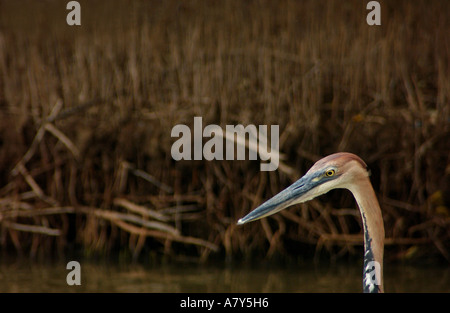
x=339 y=170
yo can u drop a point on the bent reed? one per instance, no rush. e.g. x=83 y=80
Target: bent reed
x=86 y=115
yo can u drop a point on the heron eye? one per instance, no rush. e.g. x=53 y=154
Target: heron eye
x=329 y=173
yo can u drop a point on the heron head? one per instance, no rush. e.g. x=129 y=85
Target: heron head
x=334 y=171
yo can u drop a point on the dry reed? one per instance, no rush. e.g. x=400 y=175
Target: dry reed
x=86 y=115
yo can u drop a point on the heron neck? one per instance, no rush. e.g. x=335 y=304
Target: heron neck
x=373 y=235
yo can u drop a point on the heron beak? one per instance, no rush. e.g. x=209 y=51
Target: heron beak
x=300 y=191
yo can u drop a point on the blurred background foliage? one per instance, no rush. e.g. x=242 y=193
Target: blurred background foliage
x=86 y=115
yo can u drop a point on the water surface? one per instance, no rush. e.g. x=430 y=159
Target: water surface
x=107 y=277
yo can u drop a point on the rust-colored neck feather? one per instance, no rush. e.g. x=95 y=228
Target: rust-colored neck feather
x=373 y=235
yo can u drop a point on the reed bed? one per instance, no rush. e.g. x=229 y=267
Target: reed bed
x=86 y=115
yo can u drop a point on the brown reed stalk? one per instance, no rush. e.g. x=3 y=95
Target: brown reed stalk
x=86 y=116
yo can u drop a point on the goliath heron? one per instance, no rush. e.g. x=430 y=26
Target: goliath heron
x=337 y=171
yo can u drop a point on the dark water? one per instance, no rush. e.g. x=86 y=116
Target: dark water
x=100 y=277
